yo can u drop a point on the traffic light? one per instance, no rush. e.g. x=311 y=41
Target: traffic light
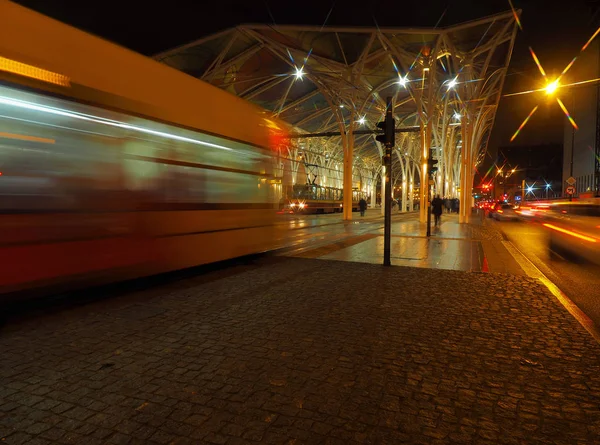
x=432 y=163
x=388 y=138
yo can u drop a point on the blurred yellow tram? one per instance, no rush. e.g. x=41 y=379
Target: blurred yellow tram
x=114 y=166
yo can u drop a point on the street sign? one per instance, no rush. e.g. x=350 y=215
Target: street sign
x=570 y=190
x=571 y=181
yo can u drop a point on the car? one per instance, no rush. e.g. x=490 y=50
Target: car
x=533 y=210
x=575 y=230
x=491 y=209
x=505 y=212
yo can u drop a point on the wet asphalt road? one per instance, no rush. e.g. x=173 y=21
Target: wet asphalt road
x=579 y=281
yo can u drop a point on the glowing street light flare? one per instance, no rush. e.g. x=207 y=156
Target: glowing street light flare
x=562 y=106
x=362 y=120
x=523 y=92
x=523 y=124
x=452 y=83
x=402 y=80
x=537 y=62
x=567 y=68
x=515 y=15
x=582 y=82
x=590 y=41
x=552 y=87
x=299 y=72
x=457 y=116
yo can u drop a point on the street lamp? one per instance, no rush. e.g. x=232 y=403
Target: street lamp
x=299 y=72
x=552 y=87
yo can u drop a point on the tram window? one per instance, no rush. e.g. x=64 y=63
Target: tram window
x=53 y=167
x=58 y=161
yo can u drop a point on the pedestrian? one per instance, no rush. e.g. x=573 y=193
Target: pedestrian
x=362 y=205
x=436 y=208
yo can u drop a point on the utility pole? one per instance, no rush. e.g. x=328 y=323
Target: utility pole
x=387 y=138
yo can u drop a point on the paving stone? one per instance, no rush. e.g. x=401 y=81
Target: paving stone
x=272 y=353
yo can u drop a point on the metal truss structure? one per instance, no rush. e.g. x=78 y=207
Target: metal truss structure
x=447 y=81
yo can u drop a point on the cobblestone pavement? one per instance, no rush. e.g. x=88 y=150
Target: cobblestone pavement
x=309 y=351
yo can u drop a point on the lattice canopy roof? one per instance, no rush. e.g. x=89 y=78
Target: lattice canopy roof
x=330 y=79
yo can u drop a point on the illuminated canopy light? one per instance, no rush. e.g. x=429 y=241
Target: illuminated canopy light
x=362 y=120
x=402 y=80
x=452 y=83
x=33 y=72
x=299 y=73
x=552 y=87
x=99 y=120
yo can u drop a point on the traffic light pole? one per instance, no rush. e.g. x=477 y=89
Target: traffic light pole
x=387 y=227
x=388 y=138
x=431 y=169
x=428 y=208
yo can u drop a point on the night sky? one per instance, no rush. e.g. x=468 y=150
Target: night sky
x=556 y=30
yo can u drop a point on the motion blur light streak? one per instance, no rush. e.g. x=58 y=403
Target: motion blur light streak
x=99 y=120
x=24 y=137
x=569 y=232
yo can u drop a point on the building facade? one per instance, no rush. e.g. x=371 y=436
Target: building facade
x=538 y=168
x=582 y=146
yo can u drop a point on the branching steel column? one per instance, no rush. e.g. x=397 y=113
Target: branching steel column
x=348 y=161
x=424 y=174
x=464 y=163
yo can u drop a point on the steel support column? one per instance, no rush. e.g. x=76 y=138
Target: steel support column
x=374 y=192
x=424 y=188
x=463 y=163
x=465 y=170
x=403 y=195
x=348 y=162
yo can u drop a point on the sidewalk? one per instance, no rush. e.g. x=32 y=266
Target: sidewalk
x=475 y=247
x=305 y=351
x=300 y=221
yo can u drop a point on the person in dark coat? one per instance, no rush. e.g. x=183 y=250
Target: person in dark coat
x=437 y=208
x=362 y=205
